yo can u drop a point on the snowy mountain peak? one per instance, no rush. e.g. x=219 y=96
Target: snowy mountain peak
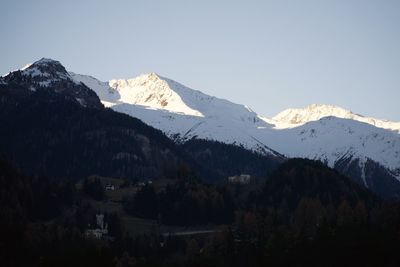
x=154 y=92
x=325 y=108
x=46 y=67
x=153 y=76
x=42 y=72
x=50 y=75
x=311 y=113
x=295 y=117
x=46 y=61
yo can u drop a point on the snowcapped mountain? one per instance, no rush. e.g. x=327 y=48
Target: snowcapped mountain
x=356 y=145
x=42 y=73
x=367 y=149
x=47 y=74
x=336 y=140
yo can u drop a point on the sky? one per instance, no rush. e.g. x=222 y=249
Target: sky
x=268 y=55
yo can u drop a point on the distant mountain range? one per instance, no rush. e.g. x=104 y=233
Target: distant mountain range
x=366 y=149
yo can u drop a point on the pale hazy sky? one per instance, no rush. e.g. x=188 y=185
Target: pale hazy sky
x=269 y=55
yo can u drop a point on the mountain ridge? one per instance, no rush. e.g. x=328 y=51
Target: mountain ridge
x=343 y=140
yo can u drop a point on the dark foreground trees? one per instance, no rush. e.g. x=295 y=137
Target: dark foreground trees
x=183 y=203
x=305 y=215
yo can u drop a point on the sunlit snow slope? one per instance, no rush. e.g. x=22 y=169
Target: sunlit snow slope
x=181 y=112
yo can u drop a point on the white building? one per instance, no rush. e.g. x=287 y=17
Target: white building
x=240 y=179
x=110 y=187
x=99 y=232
